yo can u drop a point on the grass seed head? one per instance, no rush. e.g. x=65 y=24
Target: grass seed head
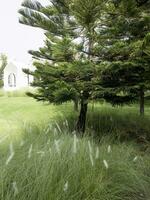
x=66 y=186
x=91 y=159
x=15 y=188
x=135 y=158
x=90 y=147
x=75 y=144
x=97 y=153
x=109 y=149
x=11 y=155
x=30 y=151
x=105 y=164
x=57 y=146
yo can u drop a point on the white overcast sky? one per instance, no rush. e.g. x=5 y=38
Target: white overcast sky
x=16 y=39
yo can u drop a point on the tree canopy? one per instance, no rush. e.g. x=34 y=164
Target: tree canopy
x=93 y=49
x=127 y=73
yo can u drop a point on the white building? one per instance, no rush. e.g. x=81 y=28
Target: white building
x=15 y=78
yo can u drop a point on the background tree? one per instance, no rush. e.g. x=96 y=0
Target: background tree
x=125 y=74
x=3 y=59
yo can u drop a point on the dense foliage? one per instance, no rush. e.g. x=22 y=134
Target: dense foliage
x=93 y=49
x=126 y=44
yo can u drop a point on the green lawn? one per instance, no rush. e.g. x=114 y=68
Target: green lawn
x=15 y=111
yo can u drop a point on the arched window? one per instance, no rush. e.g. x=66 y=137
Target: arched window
x=12 y=80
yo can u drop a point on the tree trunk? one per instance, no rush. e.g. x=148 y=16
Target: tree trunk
x=141 y=101
x=80 y=126
x=76 y=105
x=90 y=49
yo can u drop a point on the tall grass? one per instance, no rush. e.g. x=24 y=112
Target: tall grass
x=47 y=165
x=41 y=159
x=123 y=123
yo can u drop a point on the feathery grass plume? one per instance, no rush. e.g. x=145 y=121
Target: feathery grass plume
x=58 y=127
x=75 y=144
x=48 y=142
x=73 y=132
x=66 y=121
x=91 y=159
x=15 y=188
x=90 y=147
x=135 y=158
x=90 y=153
x=41 y=152
x=111 y=119
x=55 y=131
x=64 y=124
x=57 y=145
x=97 y=153
x=105 y=164
x=3 y=139
x=30 y=151
x=50 y=150
x=142 y=195
x=11 y=154
x=47 y=130
x=109 y=149
x=29 y=128
x=22 y=143
x=66 y=186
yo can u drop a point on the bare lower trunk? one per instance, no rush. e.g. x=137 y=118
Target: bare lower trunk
x=141 y=101
x=80 y=126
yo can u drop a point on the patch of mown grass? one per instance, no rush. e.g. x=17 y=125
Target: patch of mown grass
x=15 y=111
x=46 y=164
x=15 y=93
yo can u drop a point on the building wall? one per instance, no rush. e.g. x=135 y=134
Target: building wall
x=15 y=78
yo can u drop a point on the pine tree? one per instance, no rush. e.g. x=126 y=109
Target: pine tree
x=87 y=14
x=93 y=50
x=67 y=73
x=125 y=76
x=3 y=59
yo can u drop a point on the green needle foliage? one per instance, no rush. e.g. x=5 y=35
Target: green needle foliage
x=67 y=74
x=93 y=49
x=126 y=76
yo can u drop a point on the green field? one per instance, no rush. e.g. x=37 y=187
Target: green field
x=42 y=160
x=17 y=111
